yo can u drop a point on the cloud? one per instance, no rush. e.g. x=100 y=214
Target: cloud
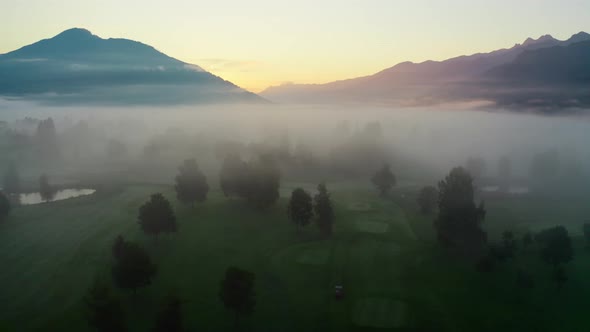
x=194 y=67
x=221 y=65
x=28 y=60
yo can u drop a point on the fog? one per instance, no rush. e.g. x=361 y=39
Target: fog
x=311 y=143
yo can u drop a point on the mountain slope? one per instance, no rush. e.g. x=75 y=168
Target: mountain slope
x=77 y=66
x=410 y=83
x=562 y=64
x=549 y=78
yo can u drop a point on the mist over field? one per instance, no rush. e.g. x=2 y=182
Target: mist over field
x=420 y=143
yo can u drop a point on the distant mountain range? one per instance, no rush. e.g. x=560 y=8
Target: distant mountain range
x=79 y=67
x=545 y=74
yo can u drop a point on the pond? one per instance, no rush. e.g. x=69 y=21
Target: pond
x=514 y=190
x=60 y=195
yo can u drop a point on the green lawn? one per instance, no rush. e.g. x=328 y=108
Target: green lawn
x=393 y=276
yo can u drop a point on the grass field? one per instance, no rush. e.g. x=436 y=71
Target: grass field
x=394 y=276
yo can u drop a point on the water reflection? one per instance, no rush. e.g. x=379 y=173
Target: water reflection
x=59 y=195
x=515 y=190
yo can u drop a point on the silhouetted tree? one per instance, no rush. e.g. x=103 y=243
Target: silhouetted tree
x=506 y=249
x=509 y=242
x=323 y=210
x=4 y=206
x=119 y=247
x=191 y=185
x=257 y=182
x=133 y=267
x=11 y=180
x=103 y=309
x=427 y=199
x=233 y=175
x=46 y=191
x=156 y=216
x=557 y=245
x=300 y=209
x=384 y=180
x=237 y=292
x=169 y=319
x=458 y=222
x=262 y=184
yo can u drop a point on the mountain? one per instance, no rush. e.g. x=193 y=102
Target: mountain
x=423 y=83
x=79 y=67
x=553 y=78
x=562 y=65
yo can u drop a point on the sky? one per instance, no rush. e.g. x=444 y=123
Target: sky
x=261 y=43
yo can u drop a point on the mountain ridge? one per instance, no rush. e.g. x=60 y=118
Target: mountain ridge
x=422 y=81
x=76 y=64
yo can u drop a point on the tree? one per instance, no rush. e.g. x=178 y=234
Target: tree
x=169 y=319
x=262 y=184
x=133 y=267
x=257 y=182
x=119 y=247
x=103 y=310
x=46 y=191
x=300 y=209
x=458 y=221
x=427 y=199
x=323 y=210
x=384 y=180
x=156 y=216
x=4 y=206
x=11 y=180
x=237 y=292
x=557 y=246
x=232 y=176
x=191 y=185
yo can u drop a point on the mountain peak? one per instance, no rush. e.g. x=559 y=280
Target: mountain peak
x=542 y=39
x=579 y=37
x=75 y=33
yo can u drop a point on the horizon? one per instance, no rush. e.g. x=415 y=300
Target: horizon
x=266 y=45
